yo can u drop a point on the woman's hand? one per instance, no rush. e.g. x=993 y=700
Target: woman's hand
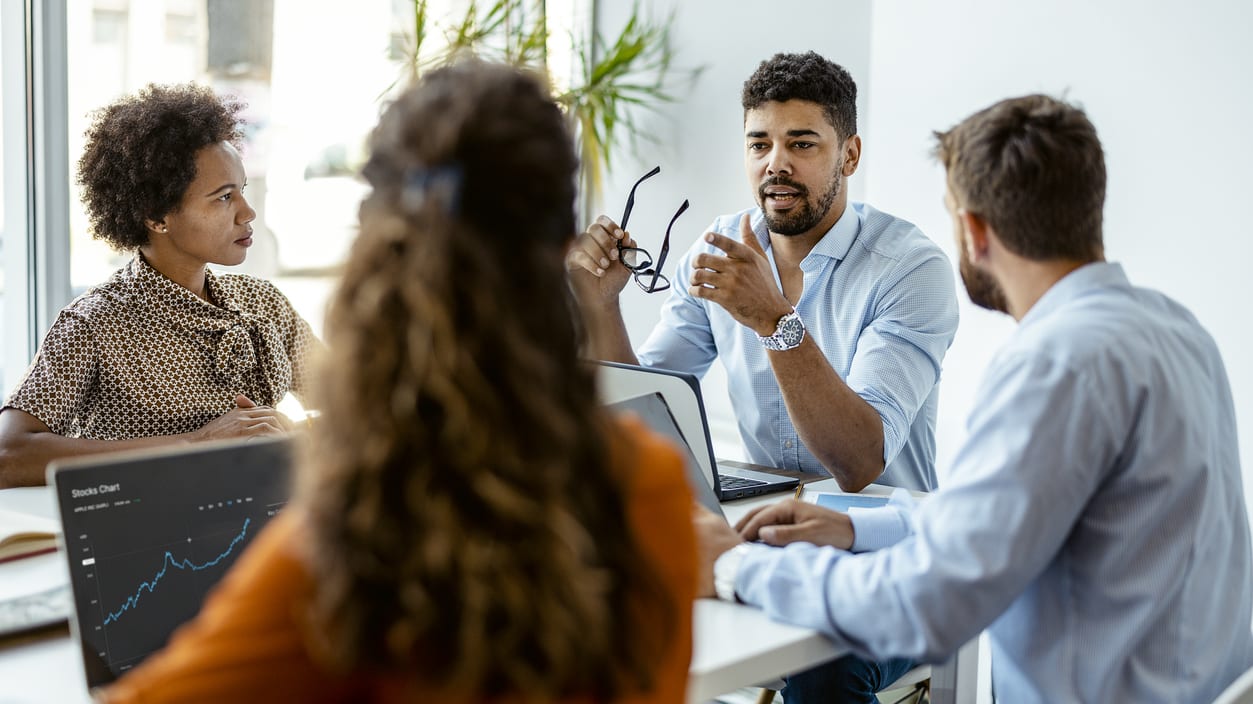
x=246 y=420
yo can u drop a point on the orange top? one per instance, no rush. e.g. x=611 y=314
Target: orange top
x=247 y=643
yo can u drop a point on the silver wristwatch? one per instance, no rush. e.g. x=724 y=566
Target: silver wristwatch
x=788 y=334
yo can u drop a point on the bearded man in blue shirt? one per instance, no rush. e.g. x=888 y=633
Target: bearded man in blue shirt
x=831 y=317
x=1094 y=521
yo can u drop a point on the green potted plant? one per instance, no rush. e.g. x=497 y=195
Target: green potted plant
x=611 y=82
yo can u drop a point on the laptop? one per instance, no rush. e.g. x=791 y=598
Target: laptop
x=681 y=392
x=653 y=410
x=147 y=534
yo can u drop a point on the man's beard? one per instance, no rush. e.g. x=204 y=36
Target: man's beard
x=980 y=286
x=803 y=217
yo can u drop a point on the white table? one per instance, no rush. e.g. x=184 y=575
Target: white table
x=739 y=646
x=44 y=666
x=734 y=645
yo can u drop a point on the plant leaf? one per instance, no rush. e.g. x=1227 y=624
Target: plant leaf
x=633 y=74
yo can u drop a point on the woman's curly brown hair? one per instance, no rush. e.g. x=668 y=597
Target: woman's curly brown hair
x=467 y=512
x=141 y=156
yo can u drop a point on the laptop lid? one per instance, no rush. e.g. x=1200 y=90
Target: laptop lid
x=652 y=409
x=683 y=396
x=147 y=534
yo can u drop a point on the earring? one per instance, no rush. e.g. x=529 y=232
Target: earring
x=165 y=229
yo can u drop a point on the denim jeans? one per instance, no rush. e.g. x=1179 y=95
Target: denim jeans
x=846 y=680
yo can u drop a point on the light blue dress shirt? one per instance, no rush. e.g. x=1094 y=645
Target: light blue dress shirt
x=1095 y=521
x=878 y=299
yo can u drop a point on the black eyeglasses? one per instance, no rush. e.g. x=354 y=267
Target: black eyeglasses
x=640 y=262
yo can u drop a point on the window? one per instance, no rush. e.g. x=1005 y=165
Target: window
x=4 y=321
x=314 y=73
x=14 y=314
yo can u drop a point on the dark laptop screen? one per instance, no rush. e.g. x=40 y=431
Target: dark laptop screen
x=147 y=536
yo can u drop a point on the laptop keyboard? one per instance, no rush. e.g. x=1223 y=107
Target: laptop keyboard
x=35 y=610
x=728 y=481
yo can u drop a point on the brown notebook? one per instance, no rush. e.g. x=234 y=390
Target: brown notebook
x=23 y=535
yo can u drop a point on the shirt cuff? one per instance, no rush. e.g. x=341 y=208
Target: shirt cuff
x=726 y=567
x=877 y=528
x=752 y=558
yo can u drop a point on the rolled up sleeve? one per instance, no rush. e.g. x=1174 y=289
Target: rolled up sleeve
x=899 y=354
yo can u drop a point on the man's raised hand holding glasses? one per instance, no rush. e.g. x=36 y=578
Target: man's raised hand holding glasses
x=606 y=242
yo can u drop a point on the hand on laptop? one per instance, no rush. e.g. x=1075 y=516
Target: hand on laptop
x=247 y=419
x=794 y=521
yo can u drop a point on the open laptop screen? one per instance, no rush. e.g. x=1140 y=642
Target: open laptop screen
x=682 y=395
x=147 y=535
x=655 y=413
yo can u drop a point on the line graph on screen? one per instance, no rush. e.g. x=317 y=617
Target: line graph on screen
x=171 y=562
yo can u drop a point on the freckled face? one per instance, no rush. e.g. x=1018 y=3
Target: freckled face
x=213 y=222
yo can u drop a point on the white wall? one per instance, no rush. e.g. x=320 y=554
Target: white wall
x=700 y=138
x=1168 y=88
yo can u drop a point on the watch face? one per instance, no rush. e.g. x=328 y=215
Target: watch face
x=788 y=334
x=791 y=331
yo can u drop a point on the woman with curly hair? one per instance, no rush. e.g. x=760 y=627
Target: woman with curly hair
x=471 y=525
x=165 y=350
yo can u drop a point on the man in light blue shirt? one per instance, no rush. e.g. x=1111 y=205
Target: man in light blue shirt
x=1095 y=521
x=831 y=318
x=877 y=298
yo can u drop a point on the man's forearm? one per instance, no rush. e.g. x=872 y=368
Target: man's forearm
x=607 y=335
x=843 y=431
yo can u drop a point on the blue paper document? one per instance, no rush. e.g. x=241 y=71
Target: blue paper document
x=843 y=502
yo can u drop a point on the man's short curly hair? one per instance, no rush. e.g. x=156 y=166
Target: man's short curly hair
x=140 y=156
x=809 y=77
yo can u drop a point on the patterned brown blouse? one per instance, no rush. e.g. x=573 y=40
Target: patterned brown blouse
x=140 y=355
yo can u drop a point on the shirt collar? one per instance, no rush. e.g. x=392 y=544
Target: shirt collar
x=833 y=245
x=1089 y=277
x=219 y=293
x=148 y=277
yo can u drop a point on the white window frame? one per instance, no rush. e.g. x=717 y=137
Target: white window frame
x=33 y=84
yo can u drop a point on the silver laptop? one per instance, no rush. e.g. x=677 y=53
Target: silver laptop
x=652 y=409
x=682 y=395
x=148 y=534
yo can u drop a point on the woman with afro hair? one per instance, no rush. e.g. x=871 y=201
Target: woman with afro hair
x=166 y=350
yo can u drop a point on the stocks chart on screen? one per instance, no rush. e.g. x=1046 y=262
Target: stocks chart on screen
x=146 y=539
